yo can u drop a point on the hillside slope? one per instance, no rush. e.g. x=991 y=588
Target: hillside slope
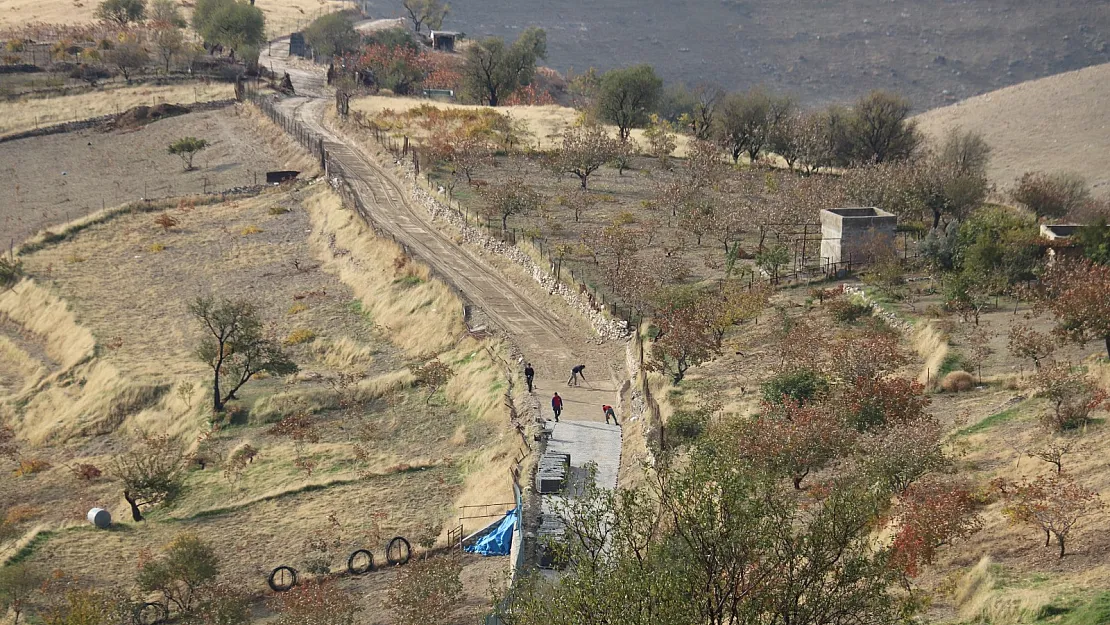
x=1058 y=123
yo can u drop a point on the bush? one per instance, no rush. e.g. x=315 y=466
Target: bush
x=11 y=271
x=183 y=573
x=684 y=427
x=1051 y=195
x=957 y=381
x=300 y=335
x=797 y=386
x=30 y=466
x=845 y=310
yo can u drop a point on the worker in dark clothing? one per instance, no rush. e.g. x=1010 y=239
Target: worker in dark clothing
x=557 y=406
x=608 y=410
x=529 y=374
x=575 y=373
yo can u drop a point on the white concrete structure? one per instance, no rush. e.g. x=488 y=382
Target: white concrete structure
x=848 y=234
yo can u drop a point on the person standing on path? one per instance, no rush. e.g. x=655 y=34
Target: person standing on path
x=529 y=375
x=608 y=410
x=557 y=406
x=575 y=373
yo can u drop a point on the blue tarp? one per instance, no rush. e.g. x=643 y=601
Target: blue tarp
x=499 y=541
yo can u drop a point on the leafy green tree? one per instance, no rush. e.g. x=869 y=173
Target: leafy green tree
x=122 y=12
x=428 y=13
x=183 y=573
x=1094 y=239
x=234 y=346
x=392 y=38
x=169 y=43
x=187 y=148
x=628 y=96
x=331 y=34
x=798 y=386
x=997 y=247
x=234 y=24
x=493 y=70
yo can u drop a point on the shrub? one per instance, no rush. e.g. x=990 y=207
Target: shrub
x=249 y=230
x=297 y=308
x=85 y=472
x=957 y=381
x=166 y=221
x=278 y=209
x=300 y=335
x=187 y=148
x=845 y=310
x=317 y=602
x=1071 y=393
x=798 y=386
x=685 y=426
x=11 y=271
x=30 y=466
x=182 y=573
x=155 y=248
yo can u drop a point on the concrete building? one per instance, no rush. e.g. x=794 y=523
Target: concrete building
x=850 y=234
x=444 y=40
x=1059 y=242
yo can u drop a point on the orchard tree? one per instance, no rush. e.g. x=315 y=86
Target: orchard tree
x=331 y=34
x=613 y=248
x=748 y=121
x=492 y=70
x=428 y=13
x=129 y=57
x=317 y=602
x=152 y=472
x=234 y=24
x=183 y=574
x=792 y=439
x=512 y=197
x=1072 y=396
x=1053 y=446
x=170 y=43
x=187 y=148
x=1025 y=342
x=1054 y=504
x=584 y=150
x=628 y=96
x=164 y=14
x=122 y=12
x=433 y=374
x=967 y=151
x=1078 y=294
x=460 y=149
x=662 y=140
x=426 y=592
x=879 y=129
x=580 y=201
x=686 y=336
x=18 y=584
x=929 y=515
x=234 y=346
x=1052 y=196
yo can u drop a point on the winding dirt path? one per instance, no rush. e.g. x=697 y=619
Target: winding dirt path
x=521 y=309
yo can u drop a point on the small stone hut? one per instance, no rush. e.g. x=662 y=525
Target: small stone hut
x=849 y=235
x=1059 y=242
x=444 y=40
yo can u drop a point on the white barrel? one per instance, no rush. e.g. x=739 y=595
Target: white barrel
x=100 y=518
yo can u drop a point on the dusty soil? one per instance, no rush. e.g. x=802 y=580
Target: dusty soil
x=935 y=52
x=57 y=178
x=1055 y=124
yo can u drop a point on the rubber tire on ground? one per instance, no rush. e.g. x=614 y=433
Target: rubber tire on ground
x=162 y=612
x=273 y=575
x=351 y=562
x=398 y=540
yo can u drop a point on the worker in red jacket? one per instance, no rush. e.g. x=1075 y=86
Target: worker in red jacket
x=608 y=410
x=557 y=406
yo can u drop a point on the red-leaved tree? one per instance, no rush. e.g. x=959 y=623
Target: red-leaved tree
x=929 y=515
x=1078 y=293
x=793 y=439
x=1054 y=504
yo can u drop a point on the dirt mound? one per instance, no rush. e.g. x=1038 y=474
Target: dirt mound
x=142 y=115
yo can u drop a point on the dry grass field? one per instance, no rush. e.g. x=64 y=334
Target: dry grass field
x=544 y=124
x=282 y=16
x=53 y=181
x=29 y=113
x=96 y=348
x=1057 y=124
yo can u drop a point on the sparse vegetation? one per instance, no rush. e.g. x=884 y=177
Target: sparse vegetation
x=187 y=148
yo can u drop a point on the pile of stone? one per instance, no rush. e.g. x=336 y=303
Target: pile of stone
x=552 y=472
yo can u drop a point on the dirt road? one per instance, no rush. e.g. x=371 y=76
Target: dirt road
x=553 y=344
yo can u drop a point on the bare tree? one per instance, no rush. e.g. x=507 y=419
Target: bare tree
x=583 y=151
x=428 y=13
